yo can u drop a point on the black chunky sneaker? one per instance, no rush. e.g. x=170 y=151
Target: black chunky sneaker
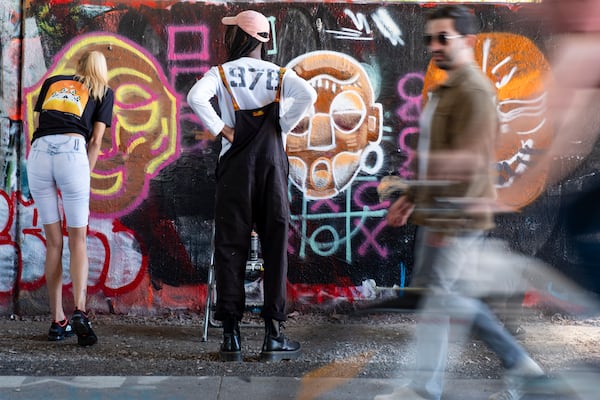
x=276 y=346
x=83 y=328
x=60 y=330
x=231 y=349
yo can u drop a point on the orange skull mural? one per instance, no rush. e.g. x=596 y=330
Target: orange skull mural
x=143 y=137
x=327 y=147
x=518 y=69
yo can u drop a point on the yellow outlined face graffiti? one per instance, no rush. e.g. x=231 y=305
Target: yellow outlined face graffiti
x=326 y=149
x=143 y=137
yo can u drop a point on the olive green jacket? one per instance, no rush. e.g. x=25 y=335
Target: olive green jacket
x=465 y=118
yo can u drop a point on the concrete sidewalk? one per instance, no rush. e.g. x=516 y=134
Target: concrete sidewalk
x=235 y=388
x=343 y=358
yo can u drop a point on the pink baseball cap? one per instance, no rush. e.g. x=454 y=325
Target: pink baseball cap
x=252 y=22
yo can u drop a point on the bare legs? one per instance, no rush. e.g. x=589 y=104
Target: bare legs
x=78 y=266
x=53 y=269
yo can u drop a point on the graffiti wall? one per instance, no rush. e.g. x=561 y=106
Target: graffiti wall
x=153 y=186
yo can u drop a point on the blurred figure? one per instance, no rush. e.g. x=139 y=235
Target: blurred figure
x=74 y=113
x=574 y=88
x=574 y=96
x=452 y=207
x=573 y=103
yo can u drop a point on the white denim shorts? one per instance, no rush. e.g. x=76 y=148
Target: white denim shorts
x=60 y=163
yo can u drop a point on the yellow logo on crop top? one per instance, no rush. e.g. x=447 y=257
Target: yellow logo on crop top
x=66 y=96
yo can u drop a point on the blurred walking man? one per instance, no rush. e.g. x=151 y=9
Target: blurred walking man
x=458 y=129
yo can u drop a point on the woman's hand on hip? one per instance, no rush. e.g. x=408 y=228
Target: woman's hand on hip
x=228 y=133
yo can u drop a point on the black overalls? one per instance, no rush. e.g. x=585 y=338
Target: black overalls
x=252 y=182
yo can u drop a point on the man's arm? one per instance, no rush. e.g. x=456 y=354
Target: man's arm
x=399 y=212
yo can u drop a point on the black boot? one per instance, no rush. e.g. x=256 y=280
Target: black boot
x=276 y=346
x=231 y=349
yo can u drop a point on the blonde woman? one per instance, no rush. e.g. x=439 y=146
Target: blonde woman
x=74 y=111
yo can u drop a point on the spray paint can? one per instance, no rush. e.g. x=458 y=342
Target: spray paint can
x=253 y=246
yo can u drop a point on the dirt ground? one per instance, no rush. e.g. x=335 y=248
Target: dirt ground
x=373 y=345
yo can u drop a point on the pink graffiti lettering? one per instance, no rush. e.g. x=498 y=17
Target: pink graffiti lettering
x=357 y=197
x=325 y=202
x=411 y=109
x=291 y=248
x=195 y=36
x=404 y=170
x=371 y=239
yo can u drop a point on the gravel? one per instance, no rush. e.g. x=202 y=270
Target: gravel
x=373 y=345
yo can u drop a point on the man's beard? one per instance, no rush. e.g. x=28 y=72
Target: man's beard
x=443 y=62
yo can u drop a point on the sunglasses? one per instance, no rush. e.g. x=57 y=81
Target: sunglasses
x=442 y=38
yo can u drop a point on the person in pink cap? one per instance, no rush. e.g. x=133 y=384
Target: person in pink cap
x=252 y=175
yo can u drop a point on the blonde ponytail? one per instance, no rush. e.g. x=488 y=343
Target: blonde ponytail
x=93 y=72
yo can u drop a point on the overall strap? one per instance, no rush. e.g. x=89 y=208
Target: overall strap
x=236 y=107
x=278 y=94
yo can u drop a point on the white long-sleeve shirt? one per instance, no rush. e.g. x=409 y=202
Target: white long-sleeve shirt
x=254 y=84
